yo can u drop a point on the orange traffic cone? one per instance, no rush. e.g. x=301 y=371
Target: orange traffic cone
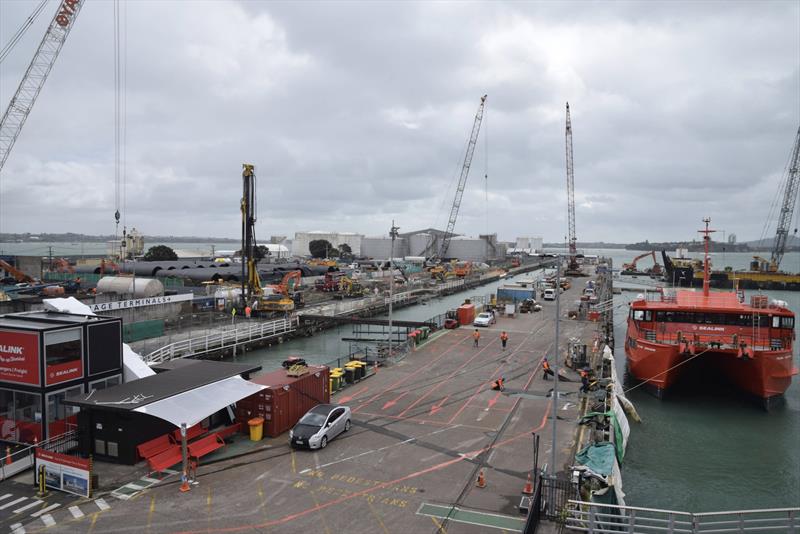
x=528 y=489
x=481 y=482
x=8 y=455
x=185 y=482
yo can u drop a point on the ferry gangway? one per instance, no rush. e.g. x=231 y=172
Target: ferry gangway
x=23 y=459
x=609 y=518
x=223 y=338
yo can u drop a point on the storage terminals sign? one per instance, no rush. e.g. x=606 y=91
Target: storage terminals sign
x=138 y=303
x=19 y=357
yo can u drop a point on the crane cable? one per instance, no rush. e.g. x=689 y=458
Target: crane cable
x=116 y=119
x=21 y=31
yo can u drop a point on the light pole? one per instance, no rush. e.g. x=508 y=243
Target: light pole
x=555 y=365
x=393 y=234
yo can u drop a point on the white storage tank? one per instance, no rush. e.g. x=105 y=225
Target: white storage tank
x=418 y=243
x=128 y=285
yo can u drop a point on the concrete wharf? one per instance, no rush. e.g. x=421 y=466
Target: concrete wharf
x=423 y=430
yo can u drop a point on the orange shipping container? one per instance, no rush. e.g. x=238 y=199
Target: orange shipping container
x=286 y=398
x=466 y=314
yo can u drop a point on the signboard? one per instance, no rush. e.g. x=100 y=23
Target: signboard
x=138 y=303
x=64 y=372
x=19 y=357
x=64 y=472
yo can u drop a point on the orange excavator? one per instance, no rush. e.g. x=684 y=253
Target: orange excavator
x=283 y=297
x=630 y=268
x=18 y=275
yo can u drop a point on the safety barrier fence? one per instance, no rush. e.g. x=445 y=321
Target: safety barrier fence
x=22 y=459
x=609 y=518
x=223 y=338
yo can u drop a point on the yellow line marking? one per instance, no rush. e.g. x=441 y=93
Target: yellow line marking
x=294 y=467
x=316 y=504
x=376 y=516
x=150 y=511
x=94 y=520
x=439 y=527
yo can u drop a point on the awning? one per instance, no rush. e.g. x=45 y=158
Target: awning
x=193 y=406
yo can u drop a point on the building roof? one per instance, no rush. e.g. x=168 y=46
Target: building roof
x=279 y=378
x=131 y=395
x=47 y=320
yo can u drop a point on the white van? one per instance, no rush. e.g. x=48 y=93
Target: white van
x=549 y=294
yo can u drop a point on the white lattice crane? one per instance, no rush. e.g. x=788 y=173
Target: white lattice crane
x=31 y=85
x=573 y=247
x=462 y=181
x=791 y=186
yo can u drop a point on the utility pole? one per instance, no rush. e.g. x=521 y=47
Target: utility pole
x=50 y=254
x=393 y=234
x=555 y=366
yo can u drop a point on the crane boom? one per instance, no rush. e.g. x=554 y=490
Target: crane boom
x=573 y=248
x=787 y=208
x=31 y=85
x=462 y=181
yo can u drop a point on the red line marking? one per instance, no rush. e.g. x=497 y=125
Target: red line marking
x=402 y=380
x=415 y=419
x=451 y=375
x=382 y=485
x=394 y=401
x=355 y=394
x=438 y=406
x=478 y=390
x=493 y=400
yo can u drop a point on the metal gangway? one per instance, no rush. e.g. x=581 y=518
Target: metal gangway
x=223 y=338
x=609 y=518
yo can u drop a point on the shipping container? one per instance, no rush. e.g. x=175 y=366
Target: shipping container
x=466 y=314
x=285 y=400
x=515 y=294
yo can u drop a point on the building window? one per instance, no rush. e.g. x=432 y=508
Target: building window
x=105 y=383
x=60 y=417
x=20 y=416
x=63 y=355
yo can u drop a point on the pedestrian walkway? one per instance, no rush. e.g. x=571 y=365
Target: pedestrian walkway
x=31 y=513
x=133 y=488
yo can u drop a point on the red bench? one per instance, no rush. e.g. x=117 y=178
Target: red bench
x=166 y=459
x=153 y=447
x=229 y=431
x=192 y=432
x=206 y=445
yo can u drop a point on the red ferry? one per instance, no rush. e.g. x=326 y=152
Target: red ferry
x=751 y=344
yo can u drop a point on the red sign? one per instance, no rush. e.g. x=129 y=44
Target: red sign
x=19 y=357
x=62 y=459
x=66 y=11
x=63 y=372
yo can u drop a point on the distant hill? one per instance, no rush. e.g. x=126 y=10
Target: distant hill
x=792 y=242
x=83 y=238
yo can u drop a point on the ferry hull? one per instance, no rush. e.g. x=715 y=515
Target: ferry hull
x=654 y=363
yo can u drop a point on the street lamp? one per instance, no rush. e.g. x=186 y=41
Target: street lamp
x=393 y=234
x=555 y=363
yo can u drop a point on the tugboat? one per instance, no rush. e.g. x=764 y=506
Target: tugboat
x=751 y=344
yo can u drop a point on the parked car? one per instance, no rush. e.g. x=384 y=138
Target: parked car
x=484 y=319
x=549 y=294
x=319 y=425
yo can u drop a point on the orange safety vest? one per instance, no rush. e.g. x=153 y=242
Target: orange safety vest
x=545 y=365
x=584 y=374
x=504 y=336
x=476 y=335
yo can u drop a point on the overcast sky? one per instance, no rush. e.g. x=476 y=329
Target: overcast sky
x=358 y=113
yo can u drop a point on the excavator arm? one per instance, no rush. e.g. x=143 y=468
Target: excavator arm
x=18 y=275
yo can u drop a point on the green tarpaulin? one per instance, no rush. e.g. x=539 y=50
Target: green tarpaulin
x=598 y=457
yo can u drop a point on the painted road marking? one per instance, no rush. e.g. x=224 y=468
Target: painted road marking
x=6 y=496
x=12 y=503
x=17 y=528
x=45 y=510
x=461 y=515
x=31 y=505
x=76 y=512
x=409 y=440
x=48 y=520
x=102 y=504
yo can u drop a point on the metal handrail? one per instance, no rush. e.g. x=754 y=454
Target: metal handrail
x=22 y=459
x=226 y=337
x=608 y=518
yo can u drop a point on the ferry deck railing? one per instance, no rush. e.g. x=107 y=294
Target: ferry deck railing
x=609 y=518
x=223 y=338
x=762 y=342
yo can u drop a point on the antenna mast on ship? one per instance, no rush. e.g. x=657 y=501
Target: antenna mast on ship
x=706 y=264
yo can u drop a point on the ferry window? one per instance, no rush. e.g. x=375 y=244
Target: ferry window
x=648 y=315
x=787 y=322
x=776 y=321
x=638 y=315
